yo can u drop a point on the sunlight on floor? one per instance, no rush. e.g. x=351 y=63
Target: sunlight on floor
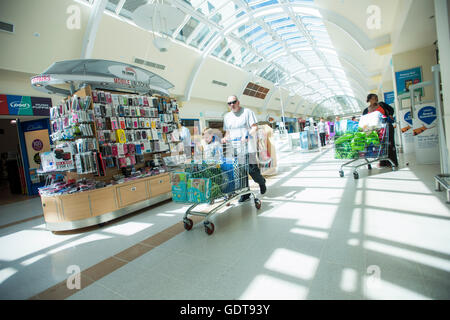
x=22 y=243
x=292 y=263
x=421 y=258
x=6 y=273
x=349 y=280
x=128 y=228
x=266 y=287
x=380 y=289
x=77 y=242
x=32 y=260
x=310 y=233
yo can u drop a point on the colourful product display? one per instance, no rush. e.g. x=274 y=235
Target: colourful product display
x=199 y=190
x=179 y=186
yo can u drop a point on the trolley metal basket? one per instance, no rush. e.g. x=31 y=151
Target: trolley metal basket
x=369 y=150
x=213 y=183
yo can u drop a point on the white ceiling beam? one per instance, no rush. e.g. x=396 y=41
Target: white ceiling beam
x=92 y=28
x=181 y=26
x=119 y=6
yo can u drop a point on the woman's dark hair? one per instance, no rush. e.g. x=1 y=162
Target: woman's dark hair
x=370 y=96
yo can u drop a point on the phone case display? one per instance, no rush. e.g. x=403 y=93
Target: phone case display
x=137 y=125
x=107 y=134
x=72 y=119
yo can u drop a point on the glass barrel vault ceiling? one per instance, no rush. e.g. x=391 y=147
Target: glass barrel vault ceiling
x=287 y=38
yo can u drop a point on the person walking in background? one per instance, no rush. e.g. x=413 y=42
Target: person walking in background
x=240 y=123
x=387 y=111
x=212 y=148
x=185 y=136
x=322 y=132
x=337 y=126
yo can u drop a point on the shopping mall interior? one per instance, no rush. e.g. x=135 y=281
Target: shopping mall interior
x=224 y=150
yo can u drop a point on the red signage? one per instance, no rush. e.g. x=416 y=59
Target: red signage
x=3 y=104
x=122 y=81
x=38 y=79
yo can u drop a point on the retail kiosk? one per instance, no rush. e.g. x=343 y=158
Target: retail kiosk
x=112 y=138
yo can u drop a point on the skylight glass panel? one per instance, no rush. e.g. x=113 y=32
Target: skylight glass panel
x=295 y=40
x=220 y=47
x=229 y=13
x=277 y=21
x=227 y=54
x=273 y=50
x=260 y=39
x=187 y=29
x=209 y=39
x=288 y=30
x=288 y=25
x=259 y=4
x=200 y=36
x=292 y=35
x=206 y=7
x=274 y=16
x=246 y=31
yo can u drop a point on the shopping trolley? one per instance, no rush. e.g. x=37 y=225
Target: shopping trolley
x=370 y=147
x=215 y=183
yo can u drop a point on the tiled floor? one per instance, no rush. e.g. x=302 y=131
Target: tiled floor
x=317 y=236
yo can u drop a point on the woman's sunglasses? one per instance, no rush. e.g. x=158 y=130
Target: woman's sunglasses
x=232 y=102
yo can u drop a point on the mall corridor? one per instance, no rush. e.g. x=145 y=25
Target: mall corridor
x=317 y=236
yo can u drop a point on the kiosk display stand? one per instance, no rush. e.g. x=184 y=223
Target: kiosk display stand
x=110 y=140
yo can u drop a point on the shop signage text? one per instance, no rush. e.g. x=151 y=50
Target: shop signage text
x=24 y=105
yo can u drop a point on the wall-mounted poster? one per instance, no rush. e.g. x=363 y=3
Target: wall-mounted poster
x=425 y=132
x=405 y=78
x=389 y=98
x=406 y=127
x=36 y=142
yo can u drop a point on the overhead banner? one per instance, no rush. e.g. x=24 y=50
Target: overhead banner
x=405 y=78
x=406 y=126
x=24 y=105
x=389 y=97
x=425 y=132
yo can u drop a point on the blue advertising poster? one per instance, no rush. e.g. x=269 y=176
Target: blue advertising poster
x=405 y=78
x=19 y=105
x=389 y=97
x=34 y=138
x=24 y=105
x=425 y=134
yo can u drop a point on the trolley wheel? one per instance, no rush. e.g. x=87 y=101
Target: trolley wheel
x=355 y=175
x=258 y=204
x=341 y=173
x=369 y=166
x=188 y=223
x=209 y=228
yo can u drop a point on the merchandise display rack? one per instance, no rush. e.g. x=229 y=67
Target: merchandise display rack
x=125 y=171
